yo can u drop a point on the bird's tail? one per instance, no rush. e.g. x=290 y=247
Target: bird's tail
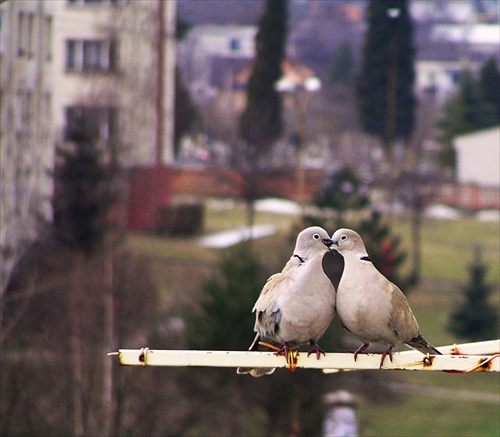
x=260 y=371
x=422 y=345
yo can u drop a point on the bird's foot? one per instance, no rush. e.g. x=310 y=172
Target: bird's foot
x=315 y=349
x=286 y=349
x=387 y=352
x=291 y=355
x=360 y=350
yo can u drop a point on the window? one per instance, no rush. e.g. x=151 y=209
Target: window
x=22 y=22
x=26 y=22
x=24 y=111
x=30 y=35
x=48 y=37
x=235 y=44
x=89 y=55
x=98 y=122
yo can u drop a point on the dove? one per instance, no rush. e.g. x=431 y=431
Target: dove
x=297 y=305
x=369 y=305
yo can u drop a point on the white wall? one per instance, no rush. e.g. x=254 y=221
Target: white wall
x=478 y=158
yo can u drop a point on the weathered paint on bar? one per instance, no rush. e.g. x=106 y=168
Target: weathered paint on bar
x=484 y=356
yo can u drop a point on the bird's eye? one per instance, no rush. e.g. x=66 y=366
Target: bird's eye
x=344 y=237
x=316 y=236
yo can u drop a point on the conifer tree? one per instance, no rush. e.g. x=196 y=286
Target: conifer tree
x=475 y=318
x=475 y=106
x=385 y=99
x=260 y=123
x=83 y=194
x=384 y=249
x=343 y=190
x=226 y=319
x=489 y=92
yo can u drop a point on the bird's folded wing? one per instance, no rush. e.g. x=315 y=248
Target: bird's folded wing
x=266 y=307
x=402 y=320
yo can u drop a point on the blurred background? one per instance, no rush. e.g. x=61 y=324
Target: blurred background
x=159 y=157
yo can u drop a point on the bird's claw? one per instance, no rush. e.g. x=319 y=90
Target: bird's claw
x=315 y=349
x=360 y=350
x=387 y=352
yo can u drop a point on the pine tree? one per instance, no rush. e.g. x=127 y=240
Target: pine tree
x=260 y=123
x=344 y=190
x=384 y=249
x=489 y=92
x=227 y=301
x=385 y=99
x=475 y=318
x=476 y=104
x=83 y=194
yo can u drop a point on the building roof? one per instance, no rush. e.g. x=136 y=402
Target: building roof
x=295 y=72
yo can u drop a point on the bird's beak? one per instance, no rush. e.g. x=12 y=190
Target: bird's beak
x=327 y=242
x=335 y=243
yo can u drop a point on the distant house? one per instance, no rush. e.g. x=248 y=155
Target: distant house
x=478 y=172
x=478 y=158
x=438 y=78
x=211 y=54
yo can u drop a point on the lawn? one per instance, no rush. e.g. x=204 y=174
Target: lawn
x=447 y=249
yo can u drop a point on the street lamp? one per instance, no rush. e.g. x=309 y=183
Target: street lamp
x=301 y=91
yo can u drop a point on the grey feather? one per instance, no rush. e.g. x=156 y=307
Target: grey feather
x=369 y=305
x=297 y=305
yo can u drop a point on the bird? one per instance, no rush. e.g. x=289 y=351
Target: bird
x=369 y=305
x=296 y=305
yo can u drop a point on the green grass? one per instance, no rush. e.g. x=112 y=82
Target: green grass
x=447 y=250
x=448 y=247
x=422 y=415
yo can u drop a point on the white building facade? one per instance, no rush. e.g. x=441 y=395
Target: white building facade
x=110 y=60
x=26 y=135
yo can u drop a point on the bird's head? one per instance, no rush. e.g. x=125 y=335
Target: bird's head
x=344 y=240
x=311 y=240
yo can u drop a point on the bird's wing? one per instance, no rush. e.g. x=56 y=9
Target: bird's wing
x=402 y=321
x=270 y=291
x=268 y=313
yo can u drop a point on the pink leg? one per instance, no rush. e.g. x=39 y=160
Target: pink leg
x=360 y=350
x=386 y=352
x=315 y=349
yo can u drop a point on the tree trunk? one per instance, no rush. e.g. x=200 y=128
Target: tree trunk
x=76 y=294
x=107 y=393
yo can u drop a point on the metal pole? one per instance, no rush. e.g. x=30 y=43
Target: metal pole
x=485 y=358
x=159 y=108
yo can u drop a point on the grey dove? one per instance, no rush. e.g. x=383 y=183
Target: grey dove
x=297 y=305
x=369 y=305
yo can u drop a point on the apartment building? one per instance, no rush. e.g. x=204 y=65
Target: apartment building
x=26 y=136
x=106 y=67
x=111 y=61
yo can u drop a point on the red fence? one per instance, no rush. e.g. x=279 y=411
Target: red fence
x=472 y=197
x=153 y=187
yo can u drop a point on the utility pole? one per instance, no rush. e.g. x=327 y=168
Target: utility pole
x=159 y=108
x=165 y=81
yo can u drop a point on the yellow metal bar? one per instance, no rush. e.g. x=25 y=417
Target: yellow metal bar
x=332 y=362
